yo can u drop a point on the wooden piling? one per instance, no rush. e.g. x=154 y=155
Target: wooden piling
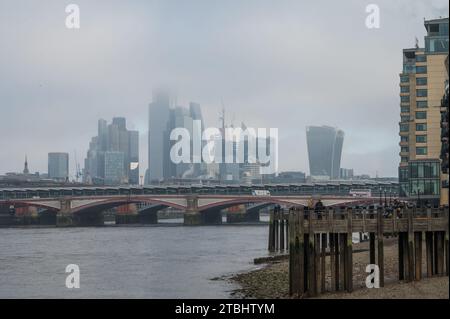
x=372 y=248
x=418 y=255
x=317 y=264
x=333 y=262
x=429 y=251
x=342 y=259
x=380 y=245
x=276 y=231
x=323 y=261
x=312 y=284
x=411 y=271
x=439 y=253
x=349 y=250
x=296 y=249
x=282 y=239
x=271 y=232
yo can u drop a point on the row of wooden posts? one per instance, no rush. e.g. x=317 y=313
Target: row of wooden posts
x=313 y=236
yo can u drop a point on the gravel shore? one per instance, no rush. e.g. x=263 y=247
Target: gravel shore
x=271 y=281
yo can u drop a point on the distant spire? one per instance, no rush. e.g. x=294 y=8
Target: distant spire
x=417 y=43
x=25 y=169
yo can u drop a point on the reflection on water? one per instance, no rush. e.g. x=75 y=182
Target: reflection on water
x=130 y=262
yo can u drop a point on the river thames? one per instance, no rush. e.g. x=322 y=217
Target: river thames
x=162 y=261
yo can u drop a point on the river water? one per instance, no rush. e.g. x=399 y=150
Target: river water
x=161 y=261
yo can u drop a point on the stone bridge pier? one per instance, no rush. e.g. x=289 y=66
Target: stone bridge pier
x=64 y=217
x=193 y=216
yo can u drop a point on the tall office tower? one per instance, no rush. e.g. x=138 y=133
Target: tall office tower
x=114 y=168
x=421 y=89
x=324 y=151
x=444 y=139
x=58 y=166
x=111 y=140
x=164 y=116
x=159 y=136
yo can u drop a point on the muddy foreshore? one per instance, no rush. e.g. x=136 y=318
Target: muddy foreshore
x=271 y=281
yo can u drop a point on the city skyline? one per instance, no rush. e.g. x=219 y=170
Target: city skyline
x=256 y=88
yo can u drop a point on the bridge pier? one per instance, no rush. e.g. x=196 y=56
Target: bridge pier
x=127 y=214
x=192 y=217
x=64 y=217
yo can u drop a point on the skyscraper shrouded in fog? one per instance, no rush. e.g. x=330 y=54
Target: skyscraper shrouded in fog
x=164 y=116
x=324 y=151
x=58 y=166
x=113 y=155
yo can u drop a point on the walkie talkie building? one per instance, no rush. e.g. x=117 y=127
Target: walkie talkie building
x=324 y=151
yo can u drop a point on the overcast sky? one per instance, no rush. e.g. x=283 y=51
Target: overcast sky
x=284 y=64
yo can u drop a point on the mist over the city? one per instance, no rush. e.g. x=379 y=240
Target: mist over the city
x=283 y=64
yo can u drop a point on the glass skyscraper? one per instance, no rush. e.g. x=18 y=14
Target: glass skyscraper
x=324 y=151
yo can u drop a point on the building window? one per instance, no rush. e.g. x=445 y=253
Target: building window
x=404 y=89
x=421 y=58
x=422 y=115
x=404 y=127
x=403 y=174
x=404 y=99
x=421 y=138
x=421 y=127
x=404 y=109
x=404 y=149
x=404 y=118
x=422 y=104
x=421 y=93
x=421 y=151
x=404 y=79
x=404 y=139
x=436 y=44
x=404 y=159
x=421 y=81
x=421 y=69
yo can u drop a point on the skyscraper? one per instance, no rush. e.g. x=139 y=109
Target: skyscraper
x=421 y=89
x=103 y=156
x=159 y=136
x=324 y=151
x=164 y=116
x=58 y=166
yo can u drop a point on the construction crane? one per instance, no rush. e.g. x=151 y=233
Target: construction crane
x=78 y=173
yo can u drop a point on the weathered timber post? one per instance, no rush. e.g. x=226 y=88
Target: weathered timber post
x=446 y=212
x=411 y=249
x=296 y=252
x=342 y=259
x=333 y=262
x=282 y=239
x=380 y=245
x=276 y=233
x=323 y=261
x=371 y=242
x=349 y=251
x=311 y=273
x=336 y=261
x=317 y=264
x=332 y=249
x=429 y=249
x=418 y=254
x=439 y=252
x=271 y=232
x=287 y=233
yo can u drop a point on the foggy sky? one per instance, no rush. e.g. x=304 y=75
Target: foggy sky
x=285 y=64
